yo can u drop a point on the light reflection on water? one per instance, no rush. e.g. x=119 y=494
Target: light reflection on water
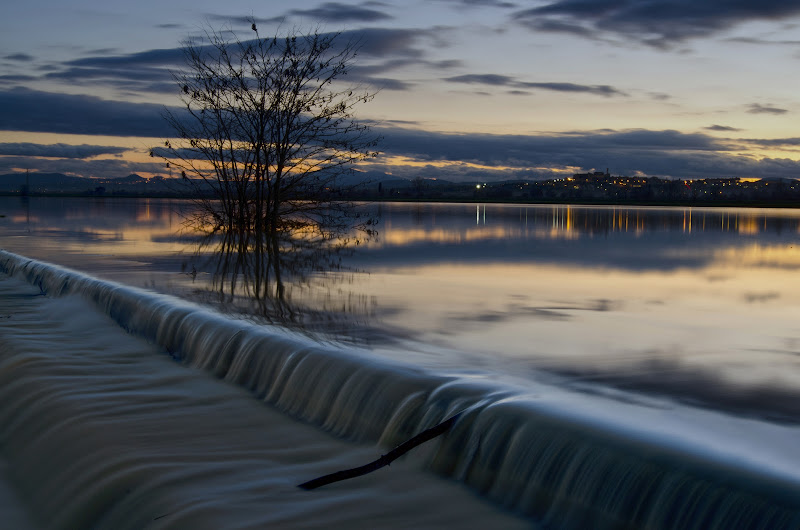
x=633 y=297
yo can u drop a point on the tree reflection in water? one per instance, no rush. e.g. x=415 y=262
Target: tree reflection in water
x=289 y=272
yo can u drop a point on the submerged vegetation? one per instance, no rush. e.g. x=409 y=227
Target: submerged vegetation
x=266 y=134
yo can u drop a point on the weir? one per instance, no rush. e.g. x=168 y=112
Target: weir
x=564 y=469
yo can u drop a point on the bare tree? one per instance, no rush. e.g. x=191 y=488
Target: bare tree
x=268 y=128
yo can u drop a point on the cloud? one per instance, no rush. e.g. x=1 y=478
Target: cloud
x=385 y=50
x=456 y=157
x=146 y=80
x=402 y=122
x=761 y=298
x=764 y=42
x=371 y=74
x=35 y=111
x=16 y=79
x=168 y=57
x=245 y=20
x=757 y=108
x=773 y=142
x=327 y=12
x=485 y=79
x=387 y=43
x=659 y=96
x=80 y=167
x=391 y=42
x=665 y=153
x=482 y=3
x=381 y=51
x=721 y=128
x=58 y=150
x=658 y=23
x=501 y=150
x=447 y=64
x=143 y=72
x=506 y=81
x=338 y=12
x=21 y=57
x=602 y=90
x=384 y=83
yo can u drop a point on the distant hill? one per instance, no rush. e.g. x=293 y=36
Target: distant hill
x=12 y=182
x=132 y=178
x=58 y=183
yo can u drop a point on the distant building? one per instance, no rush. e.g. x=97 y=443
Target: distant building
x=591 y=176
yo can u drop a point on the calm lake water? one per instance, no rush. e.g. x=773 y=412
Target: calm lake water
x=700 y=305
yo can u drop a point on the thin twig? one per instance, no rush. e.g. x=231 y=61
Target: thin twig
x=384 y=460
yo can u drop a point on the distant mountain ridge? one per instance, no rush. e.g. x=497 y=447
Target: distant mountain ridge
x=38 y=183
x=135 y=184
x=13 y=181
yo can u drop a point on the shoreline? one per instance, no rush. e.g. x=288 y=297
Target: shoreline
x=542 y=202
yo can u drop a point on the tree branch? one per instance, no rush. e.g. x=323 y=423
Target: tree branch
x=384 y=460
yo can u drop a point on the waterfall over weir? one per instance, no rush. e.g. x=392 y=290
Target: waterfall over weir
x=561 y=468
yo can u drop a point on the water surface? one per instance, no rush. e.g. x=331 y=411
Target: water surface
x=614 y=367
x=696 y=304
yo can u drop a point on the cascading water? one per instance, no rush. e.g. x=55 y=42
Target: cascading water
x=562 y=467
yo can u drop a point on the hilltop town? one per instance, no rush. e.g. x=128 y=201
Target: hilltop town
x=597 y=188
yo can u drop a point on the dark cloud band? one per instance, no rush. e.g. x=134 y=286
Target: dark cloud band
x=757 y=108
x=659 y=23
x=36 y=111
x=58 y=150
x=656 y=153
x=338 y=12
x=721 y=128
x=505 y=81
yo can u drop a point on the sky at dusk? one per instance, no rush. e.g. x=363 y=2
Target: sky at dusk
x=467 y=89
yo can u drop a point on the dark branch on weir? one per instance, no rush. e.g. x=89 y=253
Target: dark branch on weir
x=384 y=460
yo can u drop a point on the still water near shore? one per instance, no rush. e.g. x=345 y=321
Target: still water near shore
x=698 y=305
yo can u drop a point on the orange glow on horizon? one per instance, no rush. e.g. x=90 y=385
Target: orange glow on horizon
x=137 y=154
x=405 y=161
